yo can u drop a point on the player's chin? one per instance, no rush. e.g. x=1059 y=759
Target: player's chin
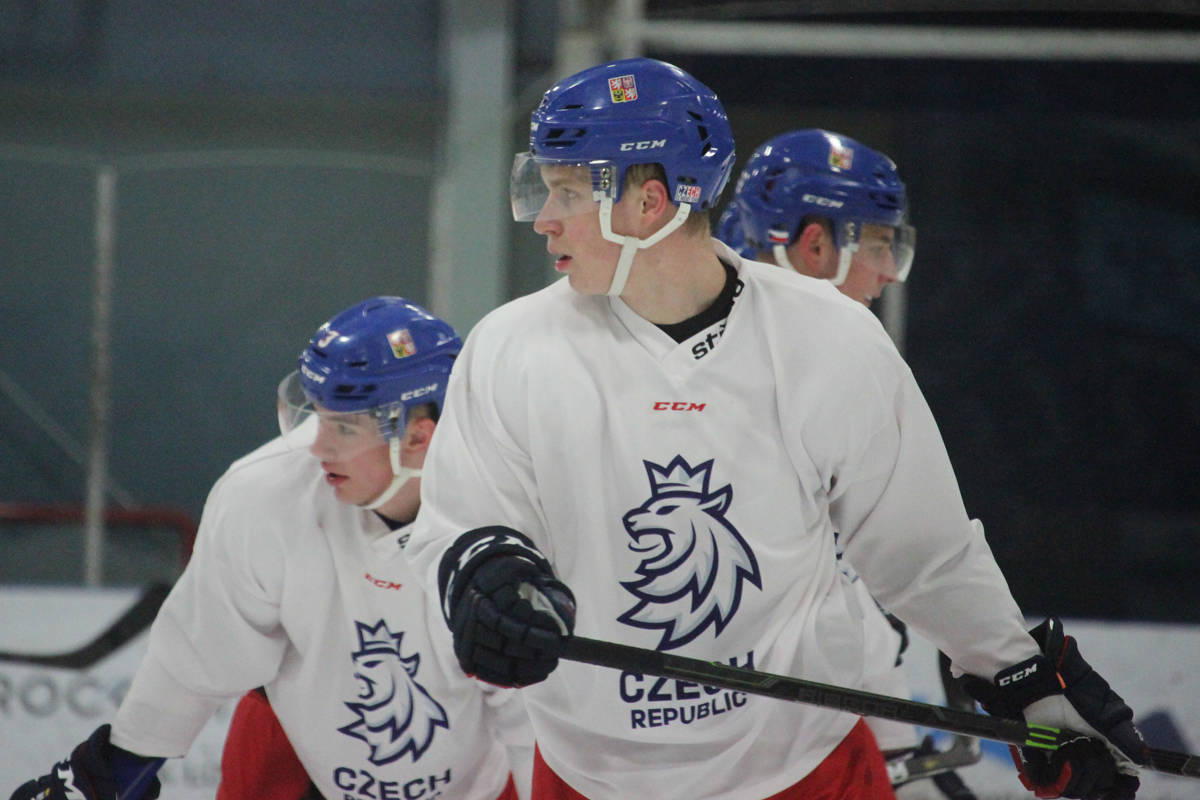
x=348 y=493
x=583 y=283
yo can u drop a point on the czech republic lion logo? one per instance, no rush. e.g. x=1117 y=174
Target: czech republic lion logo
x=395 y=714
x=694 y=563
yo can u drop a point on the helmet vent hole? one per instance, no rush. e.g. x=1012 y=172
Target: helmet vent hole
x=563 y=137
x=573 y=105
x=703 y=132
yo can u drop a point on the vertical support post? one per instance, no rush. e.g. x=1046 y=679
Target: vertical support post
x=627 y=19
x=894 y=312
x=97 y=463
x=469 y=212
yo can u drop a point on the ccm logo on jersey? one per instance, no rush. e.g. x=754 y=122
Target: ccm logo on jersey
x=678 y=405
x=648 y=144
x=381 y=582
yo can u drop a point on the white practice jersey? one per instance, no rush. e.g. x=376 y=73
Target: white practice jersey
x=290 y=589
x=688 y=494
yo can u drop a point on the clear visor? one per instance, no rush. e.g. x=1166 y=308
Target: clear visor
x=330 y=435
x=557 y=190
x=889 y=248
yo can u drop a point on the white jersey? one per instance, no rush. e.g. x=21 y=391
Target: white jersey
x=312 y=598
x=688 y=494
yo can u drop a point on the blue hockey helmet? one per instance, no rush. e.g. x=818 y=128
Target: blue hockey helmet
x=729 y=230
x=818 y=173
x=379 y=357
x=632 y=111
x=599 y=122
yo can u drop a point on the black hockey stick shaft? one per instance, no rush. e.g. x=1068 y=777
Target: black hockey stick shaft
x=855 y=701
x=135 y=620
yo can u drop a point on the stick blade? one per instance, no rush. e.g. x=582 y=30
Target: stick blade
x=131 y=623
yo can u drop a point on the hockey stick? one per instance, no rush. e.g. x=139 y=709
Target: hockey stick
x=962 y=752
x=128 y=625
x=855 y=701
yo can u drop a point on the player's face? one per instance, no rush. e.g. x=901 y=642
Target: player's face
x=354 y=456
x=570 y=221
x=873 y=265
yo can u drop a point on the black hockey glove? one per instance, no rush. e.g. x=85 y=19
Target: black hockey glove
x=87 y=774
x=1061 y=690
x=509 y=614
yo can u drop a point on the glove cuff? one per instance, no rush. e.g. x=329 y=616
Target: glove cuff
x=1028 y=682
x=1015 y=687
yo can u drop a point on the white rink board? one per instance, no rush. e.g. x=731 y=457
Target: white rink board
x=44 y=712
x=1153 y=666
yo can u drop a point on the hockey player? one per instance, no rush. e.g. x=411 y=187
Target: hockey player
x=829 y=207
x=298 y=583
x=670 y=436
x=826 y=206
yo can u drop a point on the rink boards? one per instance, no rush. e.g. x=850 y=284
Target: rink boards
x=45 y=711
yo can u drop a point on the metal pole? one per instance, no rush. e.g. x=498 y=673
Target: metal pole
x=469 y=209
x=893 y=312
x=97 y=473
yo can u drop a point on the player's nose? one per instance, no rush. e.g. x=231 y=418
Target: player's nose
x=547 y=223
x=322 y=447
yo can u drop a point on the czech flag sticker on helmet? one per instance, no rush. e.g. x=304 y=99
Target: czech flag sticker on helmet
x=623 y=88
x=402 y=343
x=840 y=157
x=687 y=194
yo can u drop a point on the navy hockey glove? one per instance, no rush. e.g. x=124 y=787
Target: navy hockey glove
x=1061 y=690
x=509 y=614
x=88 y=774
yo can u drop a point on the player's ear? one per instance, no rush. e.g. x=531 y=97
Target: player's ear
x=654 y=201
x=812 y=244
x=418 y=434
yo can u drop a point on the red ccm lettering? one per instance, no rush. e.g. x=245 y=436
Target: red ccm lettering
x=381 y=583
x=678 y=405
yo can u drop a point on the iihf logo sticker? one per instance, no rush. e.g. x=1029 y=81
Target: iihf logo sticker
x=694 y=563
x=395 y=714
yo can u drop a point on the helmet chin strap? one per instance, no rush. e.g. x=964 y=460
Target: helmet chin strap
x=845 y=254
x=400 y=476
x=781 y=259
x=631 y=244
